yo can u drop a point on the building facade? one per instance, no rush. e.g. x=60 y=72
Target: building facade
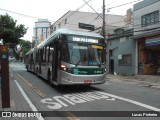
x=147 y=36
x=40 y=30
x=73 y=19
x=121 y=50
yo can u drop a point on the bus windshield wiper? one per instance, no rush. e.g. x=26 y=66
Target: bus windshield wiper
x=99 y=64
x=77 y=63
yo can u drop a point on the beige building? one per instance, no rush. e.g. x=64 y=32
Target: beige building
x=72 y=19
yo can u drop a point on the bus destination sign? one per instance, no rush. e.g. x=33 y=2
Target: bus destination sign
x=89 y=40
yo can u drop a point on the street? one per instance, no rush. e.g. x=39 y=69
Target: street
x=114 y=98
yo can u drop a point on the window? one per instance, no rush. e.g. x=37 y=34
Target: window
x=82 y=54
x=126 y=60
x=51 y=49
x=65 y=53
x=37 y=56
x=150 y=19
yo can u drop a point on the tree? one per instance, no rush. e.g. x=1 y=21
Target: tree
x=22 y=48
x=25 y=45
x=9 y=31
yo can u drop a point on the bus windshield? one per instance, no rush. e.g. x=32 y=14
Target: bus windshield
x=84 y=54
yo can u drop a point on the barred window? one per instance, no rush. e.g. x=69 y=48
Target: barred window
x=126 y=60
x=149 y=19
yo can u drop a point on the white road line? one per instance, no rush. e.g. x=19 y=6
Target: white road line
x=33 y=108
x=134 y=102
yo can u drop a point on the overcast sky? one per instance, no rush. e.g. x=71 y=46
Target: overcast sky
x=54 y=9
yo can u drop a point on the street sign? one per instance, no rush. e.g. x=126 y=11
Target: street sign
x=4 y=49
x=86 y=26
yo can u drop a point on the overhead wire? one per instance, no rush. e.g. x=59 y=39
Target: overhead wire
x=123 y=4
x=93 y=9
x=24 y=15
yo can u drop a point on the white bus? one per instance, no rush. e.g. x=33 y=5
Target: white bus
x=69 y=58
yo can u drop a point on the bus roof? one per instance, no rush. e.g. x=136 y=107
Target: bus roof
x=64 y=32
x=67 y=32
x=30 y=51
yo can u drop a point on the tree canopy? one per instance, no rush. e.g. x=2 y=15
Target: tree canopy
x=25 y=45
x=10 y=32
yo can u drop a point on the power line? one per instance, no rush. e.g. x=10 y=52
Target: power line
x=93 y=9
x=79 y=8
x=123 y=4
x=24 y=15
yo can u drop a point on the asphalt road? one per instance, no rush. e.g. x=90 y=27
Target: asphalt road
x=114 y=100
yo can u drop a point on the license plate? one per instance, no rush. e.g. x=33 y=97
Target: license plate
x=87 y=81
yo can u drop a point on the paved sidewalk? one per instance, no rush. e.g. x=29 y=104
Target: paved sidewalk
x=147 y=80
x=17 y=103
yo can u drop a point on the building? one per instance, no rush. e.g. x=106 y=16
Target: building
x=40 y=30
x=121 y=48
x=121 y=52
x=147 y=36
x=93 y=21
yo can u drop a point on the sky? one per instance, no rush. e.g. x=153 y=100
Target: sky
x=31 y=10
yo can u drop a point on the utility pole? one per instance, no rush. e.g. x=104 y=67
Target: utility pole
x=104 y=24
x=104 y=35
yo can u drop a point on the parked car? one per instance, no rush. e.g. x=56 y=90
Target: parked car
x=11 y=58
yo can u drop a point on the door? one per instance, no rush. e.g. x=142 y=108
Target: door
x=112 y=66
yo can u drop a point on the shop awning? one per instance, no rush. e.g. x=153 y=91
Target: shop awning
x=146 y=34
x=154 y=40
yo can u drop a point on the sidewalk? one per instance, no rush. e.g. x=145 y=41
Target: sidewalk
x=147 y=80
x=17 y=103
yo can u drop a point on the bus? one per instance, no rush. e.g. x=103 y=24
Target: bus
x=69 y=57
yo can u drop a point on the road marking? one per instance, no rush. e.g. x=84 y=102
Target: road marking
x=57 y=102
x=132 y=101
x=42 y=95
x=33 y=108
x=111 y=99
x=71 y=116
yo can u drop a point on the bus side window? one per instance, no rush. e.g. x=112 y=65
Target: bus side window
x=44 y=54
x=41 y=56
x=51 y=54
x=37 y=56
x=48 y=54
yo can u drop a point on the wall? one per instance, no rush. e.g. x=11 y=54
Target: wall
x=143 y=8
x=71 y=20
x=123 y=45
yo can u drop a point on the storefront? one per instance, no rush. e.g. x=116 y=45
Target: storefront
x=149 y=55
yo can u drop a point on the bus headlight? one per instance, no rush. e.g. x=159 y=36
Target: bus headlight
x=63 y=67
